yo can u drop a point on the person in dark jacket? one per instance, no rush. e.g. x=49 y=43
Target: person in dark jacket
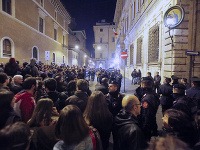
x=127 y=134
x=174 y=80
x=114 y=98
x=178 y=124
x=134 y=76
x=184 y=81
x=80 y=96
x=7 y=113
x=103 y=86
x=165 y=92
x=150 y=103
x=58 y=98
x=4 y=81
x=11 y=68
x=157 y=79
x=194 y=91
x=182 y=102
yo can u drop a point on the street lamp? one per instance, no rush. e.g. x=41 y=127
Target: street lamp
x=76 y=47
x=98 y=47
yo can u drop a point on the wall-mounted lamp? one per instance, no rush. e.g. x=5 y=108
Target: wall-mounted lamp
x=172 y=18
x=98 y=47
x=76 y=47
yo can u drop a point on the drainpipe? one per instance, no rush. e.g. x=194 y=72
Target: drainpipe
x=194 y=27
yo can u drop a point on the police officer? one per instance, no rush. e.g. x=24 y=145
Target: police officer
x=150 y=103
x=114 y=98
x=182 y=102
x=194 y=91
x=174 y=80
x=165 y=91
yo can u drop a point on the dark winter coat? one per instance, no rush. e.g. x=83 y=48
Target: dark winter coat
x=79 y=99
x=126 y=132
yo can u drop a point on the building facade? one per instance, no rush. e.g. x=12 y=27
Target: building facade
x=34 y=29
x=152 y=46
x=78 y=54
x=105 y=45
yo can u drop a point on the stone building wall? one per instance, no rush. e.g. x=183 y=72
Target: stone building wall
x=22 y=29
x=156 y=50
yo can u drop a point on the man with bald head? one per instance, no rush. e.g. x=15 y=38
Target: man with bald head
x=126 y=133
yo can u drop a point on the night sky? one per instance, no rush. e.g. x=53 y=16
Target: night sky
x=87 y=13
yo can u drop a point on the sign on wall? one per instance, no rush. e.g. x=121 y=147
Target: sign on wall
x=47 y=55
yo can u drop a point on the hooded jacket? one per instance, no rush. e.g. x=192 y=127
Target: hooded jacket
x=126 y=132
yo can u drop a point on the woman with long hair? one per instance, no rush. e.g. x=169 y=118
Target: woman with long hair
x=43 y=125
x=42 y=113
x=73 y=131
x=98 y=115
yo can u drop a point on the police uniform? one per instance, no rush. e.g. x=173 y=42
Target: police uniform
x=114 y=101
x=150 y=103
x=166 y=99
x=194 y=92
x=182 y=102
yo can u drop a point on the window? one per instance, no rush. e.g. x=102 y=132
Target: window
x=63 y=59
x=138 y=5
x=113 y=39
x=41 y=25
x=7 y=48
x=101 y=30
x=35 y=53
x=55 y=15
x=101 y=55
x=113 y=55
x=101 y=40
x=42 y=3
x=55 y=34
x=54 y=58
x=6 y=6
x=139 y=51
x=134 y=11
x=131 y=54
x=153 y=45
x=142 y=1
x=63 y=40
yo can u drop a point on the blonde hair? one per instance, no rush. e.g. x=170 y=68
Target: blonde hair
x=128 y=101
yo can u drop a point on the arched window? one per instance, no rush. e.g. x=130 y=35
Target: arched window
x=35 y=53
x=7 y=48
x=54 y=57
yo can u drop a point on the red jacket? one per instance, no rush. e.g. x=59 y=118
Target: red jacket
x=24 y=105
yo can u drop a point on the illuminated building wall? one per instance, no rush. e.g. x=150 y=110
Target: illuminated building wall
x=28 y=28
x=105 y=56
x=141 y=31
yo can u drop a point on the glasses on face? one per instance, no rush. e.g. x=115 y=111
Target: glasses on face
x=138 y=104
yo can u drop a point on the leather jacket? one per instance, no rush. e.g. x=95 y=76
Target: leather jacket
x=126 y=132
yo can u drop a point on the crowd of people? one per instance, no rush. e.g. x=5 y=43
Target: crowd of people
x=45 y=107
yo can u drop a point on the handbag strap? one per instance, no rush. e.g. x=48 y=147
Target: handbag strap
x=94 y=142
